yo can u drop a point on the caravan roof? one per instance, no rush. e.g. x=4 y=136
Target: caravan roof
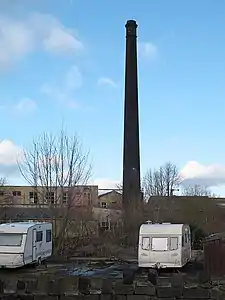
x=20 y=227
x=161 y=228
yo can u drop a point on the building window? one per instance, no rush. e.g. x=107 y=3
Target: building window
x=87 y=197
x=16 y=193
x=173 y=243
x=105 y=225
x=39 y=236
x=103 y=204
x=65 y=197
x=33 y=197
x=48 y=236
x=50 y=196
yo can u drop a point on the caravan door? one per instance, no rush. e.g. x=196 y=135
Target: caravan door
x=144 y=251
x=159 y=251
x=34 y=246
x=186 y=246
x=175 y=251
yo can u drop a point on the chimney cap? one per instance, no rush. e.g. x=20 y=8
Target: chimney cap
x=131 y=23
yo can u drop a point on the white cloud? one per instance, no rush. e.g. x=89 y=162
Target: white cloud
x=107 y=81
x=105 y=183
x=147 y=50
x=25 y=106
x=52 y=35
x=210 y=175
x=10 y=153
x=63 y=94
x=60 y=41
x=16 y=40
x=37 y=32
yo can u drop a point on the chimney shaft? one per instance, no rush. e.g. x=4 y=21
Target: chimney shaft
x=131 y=154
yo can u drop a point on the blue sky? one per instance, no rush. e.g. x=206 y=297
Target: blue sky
x=63 y=61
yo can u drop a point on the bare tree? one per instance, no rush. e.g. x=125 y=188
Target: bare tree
x=56 y=167
x=6 y=200
x=119 y=186
x=198 y=190
x=162 y=181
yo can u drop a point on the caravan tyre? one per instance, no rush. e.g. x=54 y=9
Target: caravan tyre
x=39 y=261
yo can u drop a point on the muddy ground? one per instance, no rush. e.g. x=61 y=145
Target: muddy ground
x=103 y=269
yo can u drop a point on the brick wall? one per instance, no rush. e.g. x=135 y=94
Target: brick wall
x=71 y=288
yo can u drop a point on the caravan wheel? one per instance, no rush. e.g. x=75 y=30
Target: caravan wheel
x=38 y=261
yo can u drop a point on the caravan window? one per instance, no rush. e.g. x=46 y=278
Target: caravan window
x=48 y=236
x=173 y=243
x=10 y=239
x=159 y=244
x=39 y=236
x=145 y=243
x=187 y=236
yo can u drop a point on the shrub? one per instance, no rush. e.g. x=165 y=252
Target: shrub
x=197 y=237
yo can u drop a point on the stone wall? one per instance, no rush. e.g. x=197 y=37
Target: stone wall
x=71 y=287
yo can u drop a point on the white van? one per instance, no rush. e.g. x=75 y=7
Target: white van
x=164 y=245
x=24 y=243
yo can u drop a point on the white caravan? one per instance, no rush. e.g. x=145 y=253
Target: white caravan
x=164 y=245
x=24 y=243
